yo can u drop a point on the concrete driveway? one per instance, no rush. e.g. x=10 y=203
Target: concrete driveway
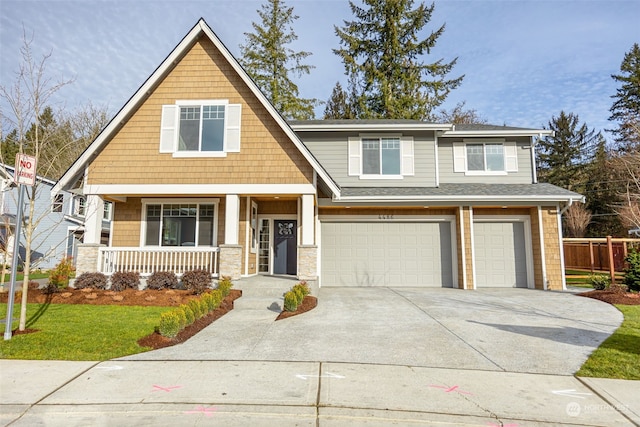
x=513 y=330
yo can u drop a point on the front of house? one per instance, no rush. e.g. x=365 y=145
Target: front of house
x=203 y=172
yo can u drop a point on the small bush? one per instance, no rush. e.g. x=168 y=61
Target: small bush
x=91 y=280
x=217 y=297
x=59 y=276
x=170 y=324
x=196 y=281
x=299 y=295
x=121 y=280
x=225 y=285
x=195 y=306
x=290 y=301
x=302 y=286
x=618 y=288
x=632 y=270
x=599 y=282
x=162 y=280
x=188 y=314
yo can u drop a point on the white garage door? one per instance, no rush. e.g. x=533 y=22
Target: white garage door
x=386 y=254
x=500 y=254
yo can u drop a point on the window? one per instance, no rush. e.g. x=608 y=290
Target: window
x=384 y=157
x=488 y=158
x=58 y=202
x=106 y=213
x=200 y=128
x=180 y=224
x=254 y=227
x=79 y=205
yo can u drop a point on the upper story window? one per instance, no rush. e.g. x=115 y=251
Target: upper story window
x=200 y=128
x=79 y=205
x=108 y=211
x=58 y=202
x=381 y=157
x=485 y=157
x=187 y=223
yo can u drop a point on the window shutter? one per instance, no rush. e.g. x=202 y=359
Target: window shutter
x=355 y=156
x=168 y=128
x=407 y=167
x=510 y=157
x=459 y=157
x=232 y=137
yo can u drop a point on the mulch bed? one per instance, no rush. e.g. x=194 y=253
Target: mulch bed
x=613 y=297
x=308 y=303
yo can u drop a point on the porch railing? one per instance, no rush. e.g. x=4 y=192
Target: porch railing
x=148 y=260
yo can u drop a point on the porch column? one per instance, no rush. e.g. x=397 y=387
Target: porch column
x=231 y=251
x=308 y=251
x=93 y=214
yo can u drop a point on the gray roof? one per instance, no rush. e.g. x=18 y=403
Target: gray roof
x=488 y=192
x=475 y=127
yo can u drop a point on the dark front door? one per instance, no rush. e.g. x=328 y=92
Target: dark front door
x=285 y=244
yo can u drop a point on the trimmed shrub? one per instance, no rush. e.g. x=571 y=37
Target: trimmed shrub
x=181 y=316
x=299 y=295
x=121 y=280
x=196 y=281
x=59 y=276
x=599 y=282
x=91 y=280
x=204 y=306
x=217 y=297
x=162 y=280
x=632 y=270
x=188 y=314
x=290 y=301
x=195 y=306
x=170 y=324
x=225 y=285
x=302 y=286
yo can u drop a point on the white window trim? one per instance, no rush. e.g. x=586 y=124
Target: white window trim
x=57 y=202
x=171 y=114
x=355 y=158
x=461 y=163
x=143 y=220
x=75 y=206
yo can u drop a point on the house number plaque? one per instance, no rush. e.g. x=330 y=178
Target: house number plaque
x=385 y=216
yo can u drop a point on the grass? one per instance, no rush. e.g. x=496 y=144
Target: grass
x=619 y=355
x=32 y=276
x=580 y=278
x=80 y=332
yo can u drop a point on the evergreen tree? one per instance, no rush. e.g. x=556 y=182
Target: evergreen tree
x=562 y=158
x=626 y=108
x=384 y=50
x=339 y=105
x=459 y=115
x=268 y=60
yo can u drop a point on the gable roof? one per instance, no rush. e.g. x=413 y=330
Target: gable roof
x=201 y=29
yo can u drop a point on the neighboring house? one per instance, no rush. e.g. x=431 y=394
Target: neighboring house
x=60 y=227
x=204 y=172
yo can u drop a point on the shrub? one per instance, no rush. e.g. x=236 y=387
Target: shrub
x=59 y=276
x=217 y=297
x=302 y=286
x=121 y=280
x=162 y=280
x=299 y=295
x=195 y=306
x=188 y=314
x=290 y=301
x=197 y=281
x=599 y=281
x=170 y=324
x=91 y=280
x=632 y=270
x=225 y=285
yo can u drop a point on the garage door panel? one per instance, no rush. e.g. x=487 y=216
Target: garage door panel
x=386 y=254
x=500 y=254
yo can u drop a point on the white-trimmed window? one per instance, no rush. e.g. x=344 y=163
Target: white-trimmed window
x=180 y=223
x=254 y=227
x=209 y=128
x=108 y=211
x=79 y=206
x=382 y=157
x=485 y=157
x=58 y=202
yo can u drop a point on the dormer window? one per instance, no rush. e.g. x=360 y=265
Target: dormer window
x=200 y=128
x=381 y=157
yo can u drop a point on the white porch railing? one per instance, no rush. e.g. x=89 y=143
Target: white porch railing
x=148 y=260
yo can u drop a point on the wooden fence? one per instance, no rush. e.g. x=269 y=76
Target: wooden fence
x=604 y=254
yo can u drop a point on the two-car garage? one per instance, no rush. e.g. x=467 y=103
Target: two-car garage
x=403 y=253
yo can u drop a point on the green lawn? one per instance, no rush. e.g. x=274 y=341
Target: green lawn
x=619 y=355
x=79 y=332
x=32 y=276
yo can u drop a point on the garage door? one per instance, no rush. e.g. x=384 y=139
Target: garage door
x=386 y=254
x=500 y=254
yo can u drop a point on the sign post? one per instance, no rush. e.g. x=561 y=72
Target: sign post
x=24 y=174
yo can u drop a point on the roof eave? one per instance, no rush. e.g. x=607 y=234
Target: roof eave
x=462 y=199
x=371 y=127
x=501 y=133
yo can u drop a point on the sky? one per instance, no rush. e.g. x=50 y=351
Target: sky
x=523 y=61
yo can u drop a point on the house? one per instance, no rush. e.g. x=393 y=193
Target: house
x=59 y=220
x=203 y=172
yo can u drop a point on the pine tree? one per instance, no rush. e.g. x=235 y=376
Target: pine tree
x=268 y=60
x=626 y=108
x=339 y=106
x=562 y=158
x=382 y=47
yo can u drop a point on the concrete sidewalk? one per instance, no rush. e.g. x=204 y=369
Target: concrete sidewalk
x=263 y=393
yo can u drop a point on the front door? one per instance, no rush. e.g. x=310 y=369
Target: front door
x=285 y=244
